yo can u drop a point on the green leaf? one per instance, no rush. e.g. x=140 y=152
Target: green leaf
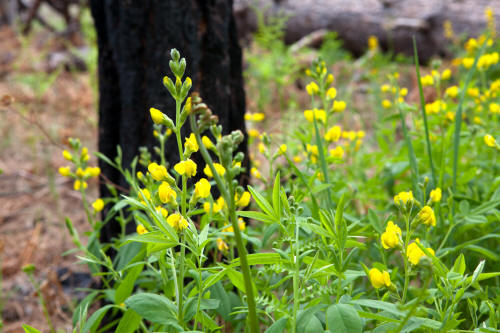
x=29 y=329
x=126 y=287
x=477 y=271
x=343 y=318
x=93 y=322
x=380 y=305
x=258 y=216
x=278 y=326
x=276 y=196
x=262 y=202
x=459 y=266
x=307 y=322
x=129 y=322
x=259 y=259
x=155 y=308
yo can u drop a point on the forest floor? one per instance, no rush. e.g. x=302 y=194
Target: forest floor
x=49 y=108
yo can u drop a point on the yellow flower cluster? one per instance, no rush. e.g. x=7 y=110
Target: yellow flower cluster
x=166 y=193
x=158 y=172
x=379 y=279
x=414 y=253
x=255 y=117
x=391 y=237
x=319 y=114
x=187 y=167
x=218 y=167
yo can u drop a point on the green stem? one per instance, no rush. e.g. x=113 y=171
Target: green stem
x=42 y=302
x=458 y=124
x=228 y=195
x=424 y=115
x=296 y=276
x=180 y=283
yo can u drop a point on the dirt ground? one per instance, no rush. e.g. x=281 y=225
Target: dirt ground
x=48 y=108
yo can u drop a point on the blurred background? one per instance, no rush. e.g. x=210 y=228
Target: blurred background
x=49 y=93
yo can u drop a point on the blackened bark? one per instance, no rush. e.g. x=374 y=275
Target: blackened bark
x=134 y=40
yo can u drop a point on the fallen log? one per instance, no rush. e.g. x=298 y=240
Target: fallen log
x=393 y=22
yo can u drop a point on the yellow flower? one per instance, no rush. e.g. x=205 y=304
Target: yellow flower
x=187 y=167
x=98 y=205
x=202 y=188
x=218 y=167
x=427 y=80
x=473 y=92
x=65 y=171
x=436 y=195
x=446 y=74
x=248 y=116
x=253 y=133
x=329 y=79
x=228 y=228
x=379 y=279
x=207 y=142
x=414 y=253
x=331 y=93
x=139 y=175
x=93 y=172
x=166 y=193
x=361 y=134
x=190 y=144
x=261 y=147
x=258 y=117
x=255 y=173
x=386 y=104
x=320 y=115
x=79 y=173
x=490 y=141
x=145 y=193
x=312 y=88
x=494 y=108
x=177 y=221
x=158 y=172
x=221 y=245
x=85 y=154
x=282 y=149
x=338 y=106
x=242 y=201
x=452 y=91
x=162 y=211
x=141 y=230
x=426 y=216
x=450 y=116
x=468 y=62
x=390 y=238
x=385 y=88
x=79 y=184
x=372 y=43
x=241 y=224
x=67 y=155
x=337 y=152
x=333 y=134
x=156 y=115
x=188 y=105
x=297 y=159
x=403 y=198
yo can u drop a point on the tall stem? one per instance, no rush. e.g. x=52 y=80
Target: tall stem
x=296 y=277
x=227 y=193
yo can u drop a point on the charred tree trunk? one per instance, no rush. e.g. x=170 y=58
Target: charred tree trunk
x=134 y=40
x=394 y=22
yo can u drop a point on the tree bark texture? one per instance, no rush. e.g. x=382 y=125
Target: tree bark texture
x=134 y=41
x=394 y=22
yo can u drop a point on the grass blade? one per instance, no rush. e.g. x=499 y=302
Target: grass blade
x=424 y=115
